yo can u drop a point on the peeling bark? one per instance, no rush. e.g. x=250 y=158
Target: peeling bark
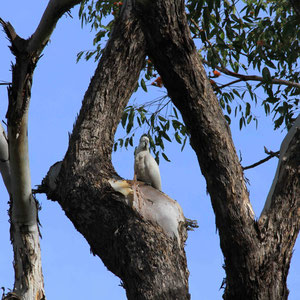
x=24 y=232
x=4 y=160
x=23 y=212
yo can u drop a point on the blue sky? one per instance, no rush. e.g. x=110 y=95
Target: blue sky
x=70 y=270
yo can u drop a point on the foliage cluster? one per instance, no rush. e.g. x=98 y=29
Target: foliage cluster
x=249 y=48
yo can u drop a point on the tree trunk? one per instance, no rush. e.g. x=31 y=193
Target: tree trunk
x=150 y=262
x=23 y=212
x=24 y=231
x=257 y=256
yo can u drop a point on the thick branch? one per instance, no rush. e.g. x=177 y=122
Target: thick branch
x=55 y=9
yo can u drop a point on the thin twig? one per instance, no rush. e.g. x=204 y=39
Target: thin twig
x=230 y=83
x=272 y=154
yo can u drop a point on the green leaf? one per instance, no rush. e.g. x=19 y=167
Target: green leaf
x=143 y=85
x=177 y=137
x=139 y=121
x=270 y=64
x=162 y=119
x=165 y=157
x=164 y=135
x=222 y=103
x=241 y=123
x=131 y=141
x=183 y=143
x=124 y=119
x=227 y=118
x=130 y=122
x=266 y=74
x=176 y=124
x=249 y=120
x=175 y=112
x=121 y=141
x=248 y=108
x=159 y=141
x=228 y=109
x=79 y=55
x=152 y=118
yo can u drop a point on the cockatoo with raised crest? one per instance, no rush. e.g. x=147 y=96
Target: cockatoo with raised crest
x=145 y=166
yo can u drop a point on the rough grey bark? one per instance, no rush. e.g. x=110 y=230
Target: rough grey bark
x=257 y=255
x=151 y=264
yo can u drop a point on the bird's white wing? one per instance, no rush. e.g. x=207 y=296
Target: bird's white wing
x=153 y=171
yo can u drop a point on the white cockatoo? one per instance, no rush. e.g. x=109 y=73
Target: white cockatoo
x=145 y=166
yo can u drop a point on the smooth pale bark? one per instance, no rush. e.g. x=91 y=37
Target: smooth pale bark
x=4 y=159
x=29 y=283
x=257 y=255
x=283 y=150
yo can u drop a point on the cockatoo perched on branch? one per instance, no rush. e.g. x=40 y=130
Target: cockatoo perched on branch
x=145 y=166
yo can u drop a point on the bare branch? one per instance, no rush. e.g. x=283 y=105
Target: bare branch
x=9 y=30
x=272 y=153
x=17 y=42
x=261 y=161
x=253 y=77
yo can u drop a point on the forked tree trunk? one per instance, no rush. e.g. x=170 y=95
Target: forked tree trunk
x=150 y=263
x=257 y=255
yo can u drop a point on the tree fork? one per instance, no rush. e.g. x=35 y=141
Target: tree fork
x=174 y=55
x=151 y=264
